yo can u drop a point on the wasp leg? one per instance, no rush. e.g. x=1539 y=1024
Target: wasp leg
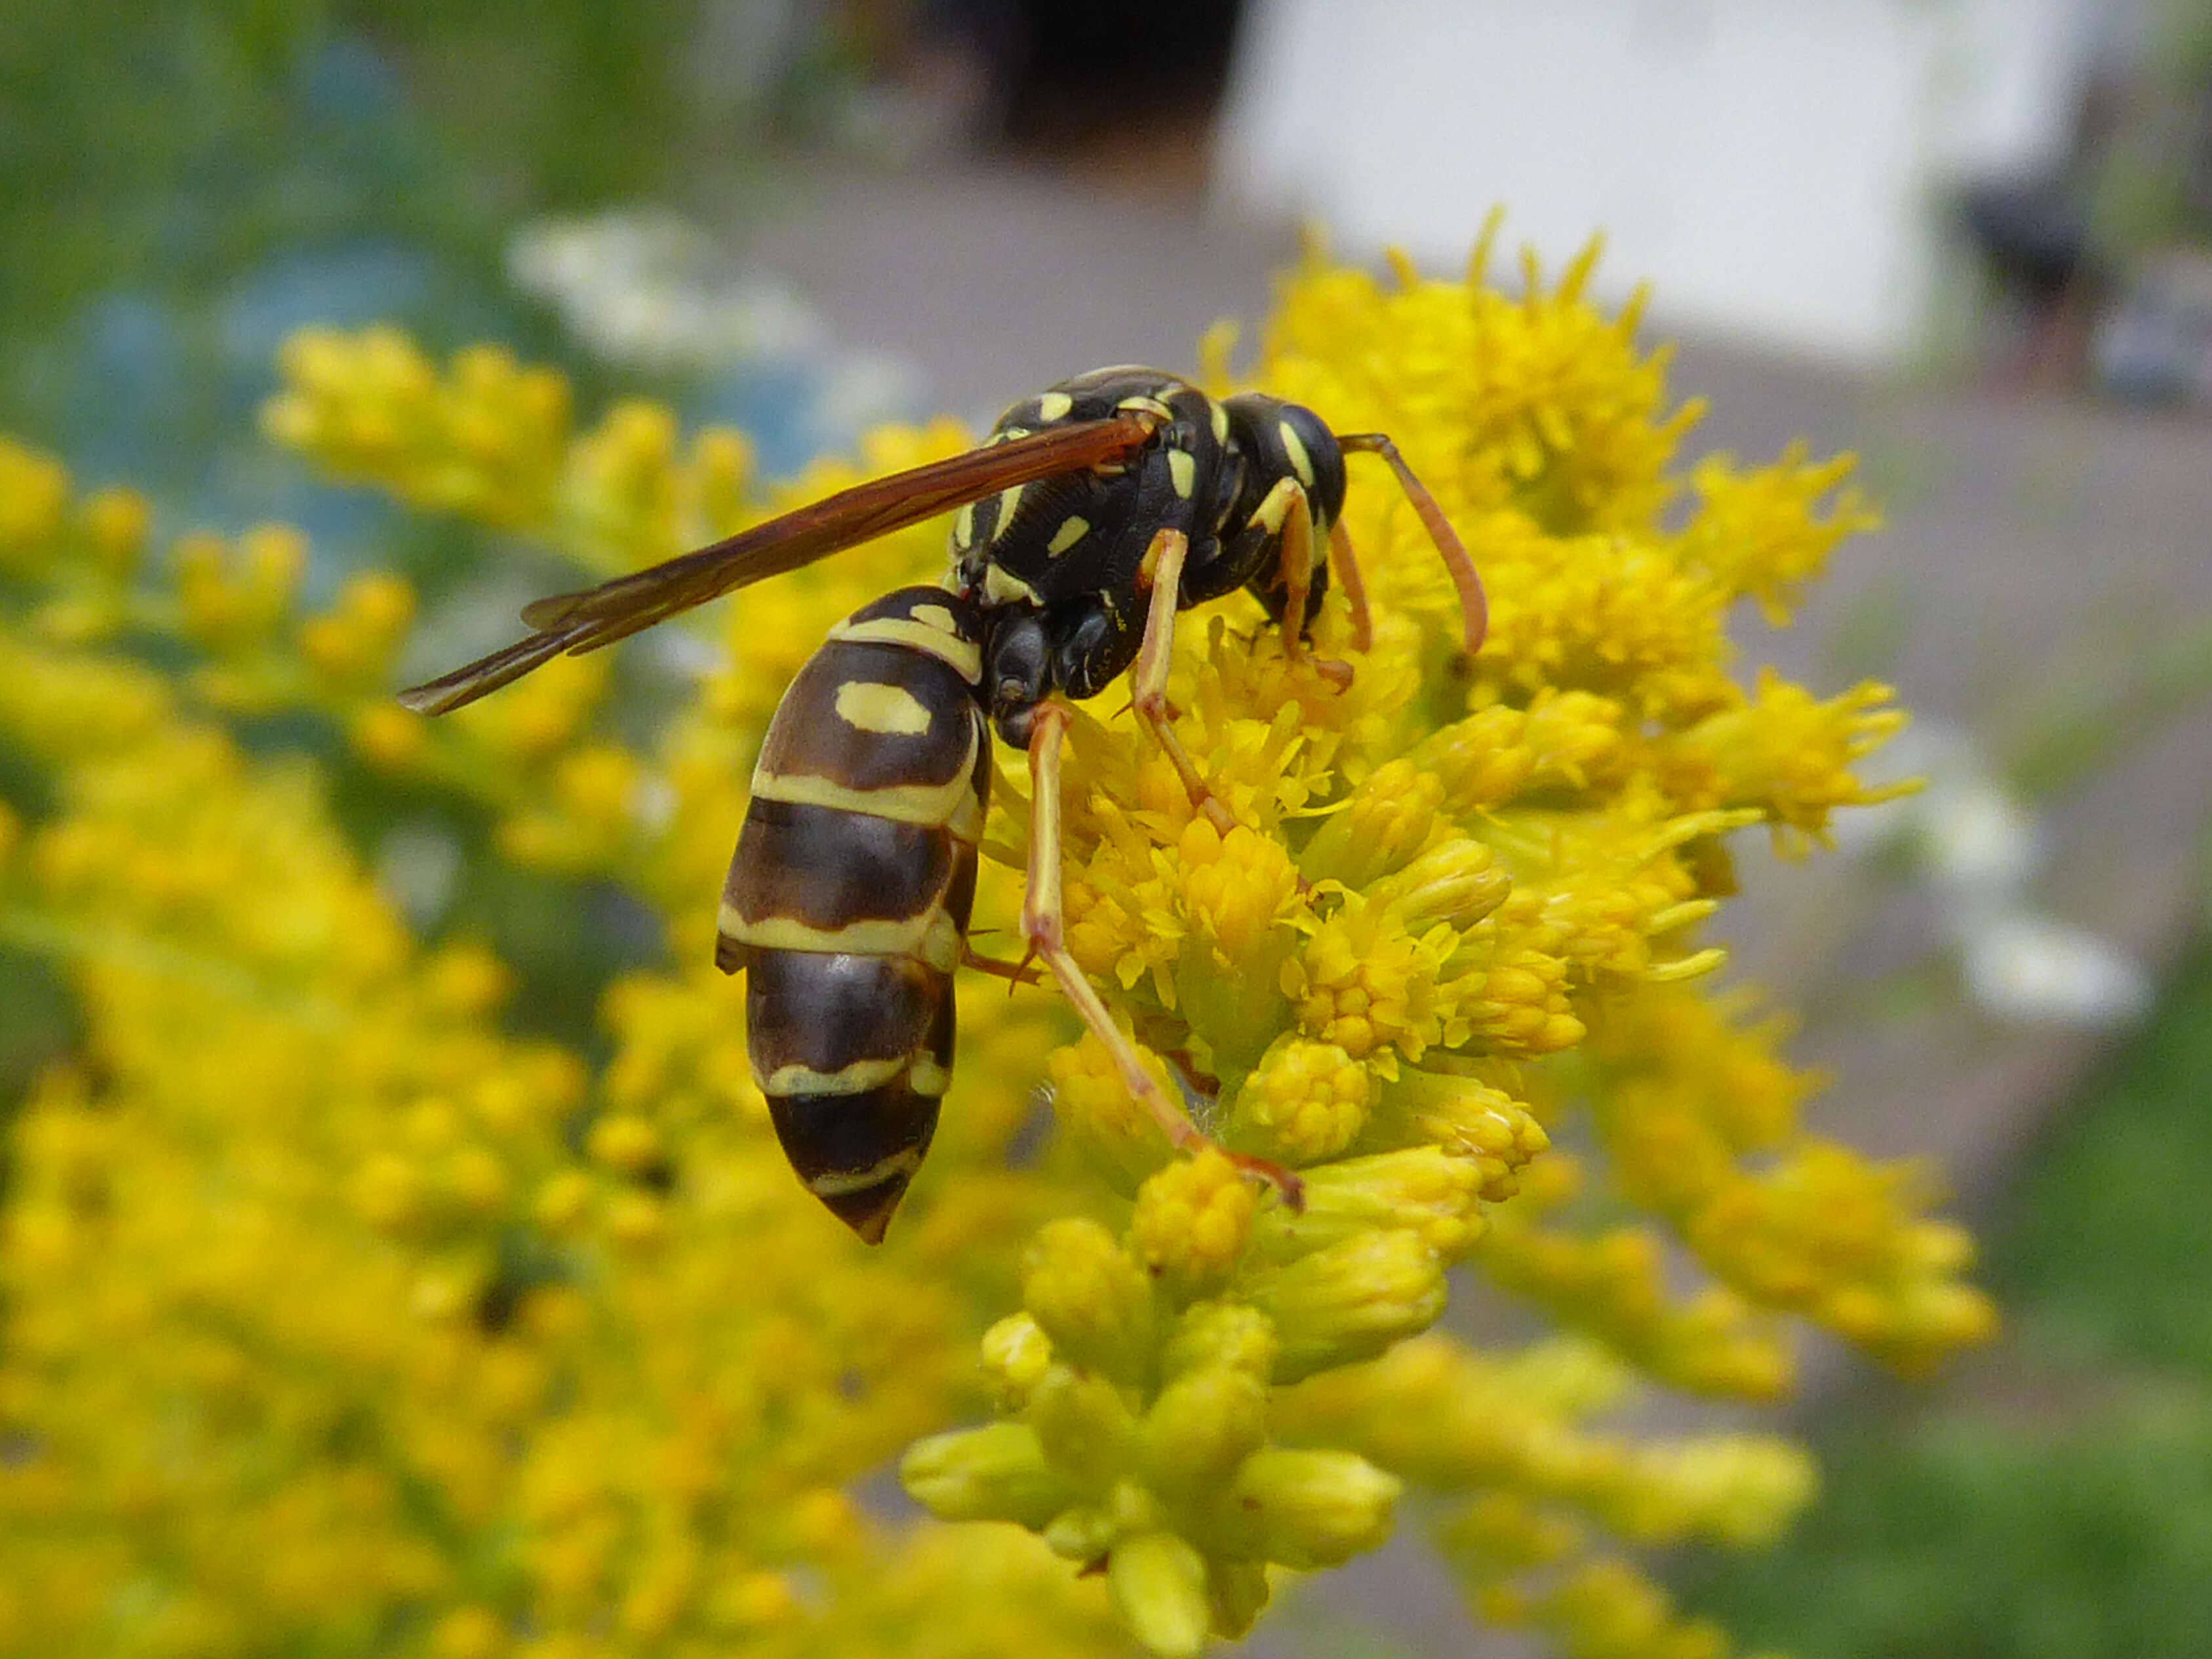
x=1474 y=605
x=1020 y=973
x=1148 y=680
x=1042 y=920
x=1295 y=568
x=1355 y=589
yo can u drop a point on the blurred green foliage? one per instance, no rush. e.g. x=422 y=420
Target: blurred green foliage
x=174 y=178
x=2057 y=1501
x=172 y=138
x=180 y=185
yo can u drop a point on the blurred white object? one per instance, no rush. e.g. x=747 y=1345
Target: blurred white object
x=647 y=289
x=2029 y=967
x=1977 y=846
x=1779 y=169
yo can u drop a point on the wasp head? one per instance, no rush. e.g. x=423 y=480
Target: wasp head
x=1016 y=672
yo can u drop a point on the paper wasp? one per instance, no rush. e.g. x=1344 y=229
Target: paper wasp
x=1095 y=511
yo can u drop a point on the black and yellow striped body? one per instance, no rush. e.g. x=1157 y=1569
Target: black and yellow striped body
x=848 y=894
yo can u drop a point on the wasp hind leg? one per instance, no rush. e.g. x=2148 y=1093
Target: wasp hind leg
x=1017 y=973
x=1148 y=680
x=1043 y=921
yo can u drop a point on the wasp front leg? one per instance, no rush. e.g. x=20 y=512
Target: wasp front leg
x=1043 y=921
x=1148 y=680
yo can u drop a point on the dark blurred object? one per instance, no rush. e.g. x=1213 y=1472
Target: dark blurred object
x=1125 y=87
x=2034 y=242
x=1091 y=69
x=2035 y=236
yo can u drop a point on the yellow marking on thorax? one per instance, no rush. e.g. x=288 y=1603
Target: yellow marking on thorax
x=857 y=1079
x=1009 y=503
x=1182 y=472
x=1295 y=448
x=1219 y=417
x=886 y=710
x=929 y=936
x=1002 y=586
x=1054 y=405
x=1006 y=434
x=1144 y=404
x=1073 y=529
x=1275 y=506
x=963 y=526
x=965 y=657
x=836 y=1184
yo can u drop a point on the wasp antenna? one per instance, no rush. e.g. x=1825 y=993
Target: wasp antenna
x=1474 y=604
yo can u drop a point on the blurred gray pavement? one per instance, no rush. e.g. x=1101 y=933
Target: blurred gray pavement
x=2042 y=557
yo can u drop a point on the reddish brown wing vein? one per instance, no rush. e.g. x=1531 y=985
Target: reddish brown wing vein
x=599 y=616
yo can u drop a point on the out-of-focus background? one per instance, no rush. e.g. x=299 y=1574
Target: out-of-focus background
x=1970 y=240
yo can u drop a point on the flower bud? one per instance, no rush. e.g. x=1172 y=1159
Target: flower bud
x=637 y=1222
x=1221 y=1334
x=1386 y=821
x=1193 y=1219
x=562 y=1201
x=1202 y=1426
x=1455 y=882
x=1158 y=1583
x=1351 y=1301
x=34 y=490
x=1481 y=760
x=1016 y=1356
x=1304 y=1102
x=1086 y=1533
x=1483 y=1124
x=1507 y=1530
x=1307 y=1509
x=1422 y=1189
x=1083 y=1425
x=1089 y=1298
x=722 y=468
x=998 y=1472
x=115 y=522
x=1119 y=1138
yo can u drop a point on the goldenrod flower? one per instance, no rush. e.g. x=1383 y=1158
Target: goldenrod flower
x=341 y=1313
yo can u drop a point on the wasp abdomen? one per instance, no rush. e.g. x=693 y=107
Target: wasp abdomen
x=854 y=1054
x=848 y=896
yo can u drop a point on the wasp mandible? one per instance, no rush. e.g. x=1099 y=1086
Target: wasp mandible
x=1093 y=513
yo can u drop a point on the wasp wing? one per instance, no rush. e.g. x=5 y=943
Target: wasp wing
x=615 y=610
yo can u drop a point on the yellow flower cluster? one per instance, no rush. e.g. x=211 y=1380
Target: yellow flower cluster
x=340 y=1315
x=336 y=1317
